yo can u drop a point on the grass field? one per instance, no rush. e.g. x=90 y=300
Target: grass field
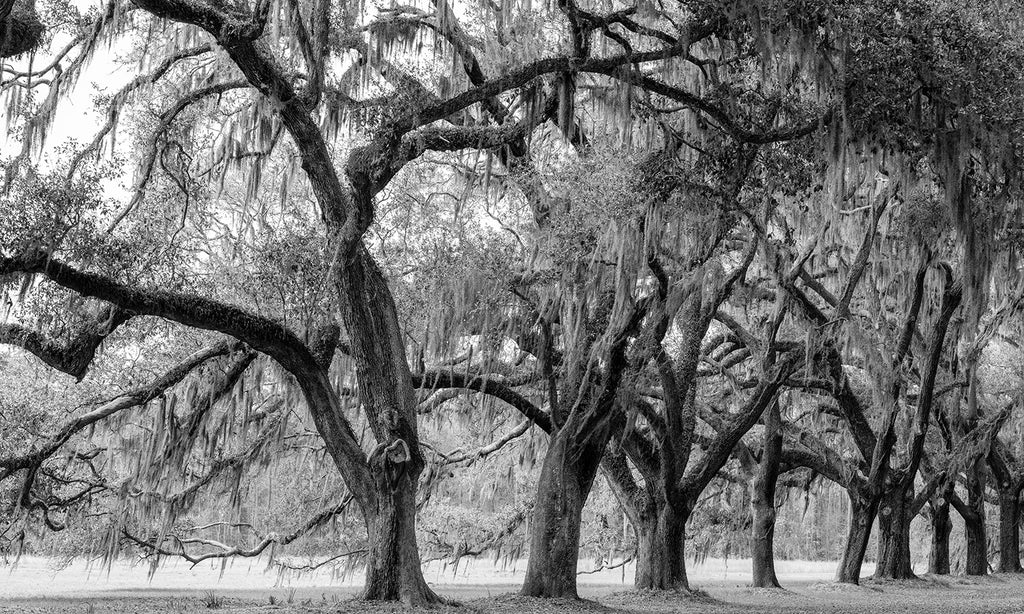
x=35 y=585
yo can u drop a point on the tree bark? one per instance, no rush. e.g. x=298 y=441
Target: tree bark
x=938 y=558
x=661 y=536
x=858 y=532
x=762 y=502
x=1009 y=529
x=894 y=536
x=393 y=571
x=565 y=481
x=368 y=310
x=974 y=522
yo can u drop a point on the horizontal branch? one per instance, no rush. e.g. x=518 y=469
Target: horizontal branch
x=439 y=380
x=261 y=333
x=224 y=551
x=73 y=357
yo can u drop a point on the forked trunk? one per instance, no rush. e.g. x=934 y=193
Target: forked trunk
x=565 y=482
x=894 y=536
x=661 y=536
x=393 y=571
x=938 y=558
x=858 y=532
x=1009 y=529
x=762 y=503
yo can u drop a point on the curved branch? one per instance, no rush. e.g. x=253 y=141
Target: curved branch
x=73 y=357
x=225 y=551
x=438 y=380
x=135 y=398
x=263 y=334
x=114 y=108
x=166 y=119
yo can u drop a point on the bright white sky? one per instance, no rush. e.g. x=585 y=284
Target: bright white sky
x=77 y=118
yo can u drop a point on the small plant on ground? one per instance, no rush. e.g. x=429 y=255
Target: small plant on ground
x=212 y=601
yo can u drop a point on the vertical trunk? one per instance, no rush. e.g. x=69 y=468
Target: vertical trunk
x=393 y=571
x=974 y=522
x=565 y=482
x=977 y=555
x=894 y=536
x=938 y=558
x=661 y=535
x=858 y=532
x=1009 y=529
x=386 y=391
x=762 y=502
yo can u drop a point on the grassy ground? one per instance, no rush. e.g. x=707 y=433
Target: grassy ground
x=34 y=586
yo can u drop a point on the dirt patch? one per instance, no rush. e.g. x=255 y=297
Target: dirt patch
x=637 y=598
x=840 y=587
x=518 y=604
x=769 y=593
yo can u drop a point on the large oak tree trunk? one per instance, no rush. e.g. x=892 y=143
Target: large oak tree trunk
x=858 y=532
x=565 y=481
x=1009 y=529
x=974 y=522
x=368 y=310
x=894 y=536
x=938 y=558
x=393 y=571
x=661 y=539
x=762 y=503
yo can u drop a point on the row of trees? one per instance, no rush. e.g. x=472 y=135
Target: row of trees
x=685 y=240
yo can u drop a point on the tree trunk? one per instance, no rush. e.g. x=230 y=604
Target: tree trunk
x=393 y=571
x=565 y=482
x=974 y=522
x=938 y=558
x=974 y=519
x=977 y=555
x=376 y=344
x=762 y=503
x=894 y=536
x=858 y=532
x=661 y=536
x=1009 y=529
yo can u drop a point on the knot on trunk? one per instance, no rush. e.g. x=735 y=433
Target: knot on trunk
x=390 y=461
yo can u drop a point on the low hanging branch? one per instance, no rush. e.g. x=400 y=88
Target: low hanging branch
x=457 y=456
x=179 y=547
x=183 y=499
x=480 y=383
x=135 y=398
x=76 y=355
x=261 y=333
